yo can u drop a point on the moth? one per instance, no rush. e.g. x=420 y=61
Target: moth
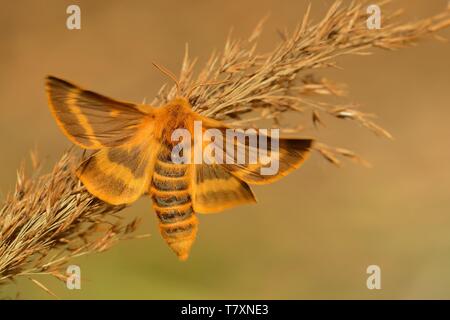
x=132 y=156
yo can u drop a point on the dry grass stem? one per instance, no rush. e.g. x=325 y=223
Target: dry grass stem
x=50 y=219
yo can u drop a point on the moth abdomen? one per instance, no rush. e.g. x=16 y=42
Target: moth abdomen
x=175 y=214
x=178 y=224
x=171 y=199
x=170 y=190
x=170 y=170
x=165 y=183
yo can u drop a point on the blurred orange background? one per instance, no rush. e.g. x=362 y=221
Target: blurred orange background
x=313 y=234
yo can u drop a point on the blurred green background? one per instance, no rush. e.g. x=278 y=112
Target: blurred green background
x=313 y=234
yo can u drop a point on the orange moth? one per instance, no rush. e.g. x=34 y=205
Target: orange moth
x=132 y=155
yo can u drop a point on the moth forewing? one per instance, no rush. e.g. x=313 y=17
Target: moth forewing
x=255 y=144
x=89 y=119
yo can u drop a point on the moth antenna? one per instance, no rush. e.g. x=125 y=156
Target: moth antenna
x=211 y=83
x=170 y=74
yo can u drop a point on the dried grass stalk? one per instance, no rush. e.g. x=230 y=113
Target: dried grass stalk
x=51 y=219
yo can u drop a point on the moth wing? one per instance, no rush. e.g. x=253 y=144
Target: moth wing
x=91 y=120
x=290 y=154
x=214 y=189
x=121 y=174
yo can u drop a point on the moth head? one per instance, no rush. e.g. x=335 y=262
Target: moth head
x=180 y=104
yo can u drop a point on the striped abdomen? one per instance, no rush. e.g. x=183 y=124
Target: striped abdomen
x=173 y=204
